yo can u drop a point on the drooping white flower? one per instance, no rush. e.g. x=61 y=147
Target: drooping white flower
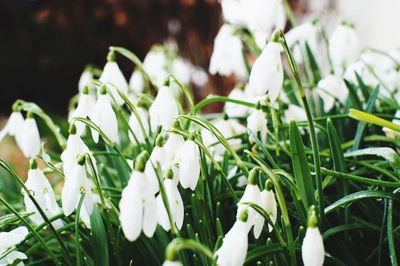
x=267 y=73
x=330 y=88
x=175 y=204
x=9 y=240
x=136 y=82
x=75 y=184
x=344 y=46
x=14 y=127
x=135 y=125
x=85 y=106
x=198 y=76
x=138 y=208
x=104 y=117
x=234 y=246
x=172 y=263
x=188 y=160
x=268 y=203
x=233 y=11
x=163 y=110
x=113 y=75
x=43 y=193
x=30 y=139
x=360 y=68
x=181 y=69
x=85 y=79
x=155 y=64
x=312 y=250
x=227 y=57
x=233 y=109
x=297 y=38
x=295 y=112
x=257 y=123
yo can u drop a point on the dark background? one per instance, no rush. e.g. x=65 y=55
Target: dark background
x=44 y=45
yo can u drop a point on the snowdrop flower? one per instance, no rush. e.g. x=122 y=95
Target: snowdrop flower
x=312 y=250
x=257 y=123
x=14 y=127
x=233 y=109
x=138 y=208
x=232 y=10
x=362 y=71
x=136 y=82
x=181 y=69
x=175 y=205
x=234 y=245
x=198 y=76
x=135 y=125
x=113 y=75
x=332 y=87
x=267 y=72
x=85 y=79
x=295 y=112
x=268 y=203
x=227 y=57
x=75 y=184
x=155 y=65
x=43 y=193
x=85 y=106
x=9 y=240
x=172 y=263
x=252 y=195
x=30 y=139
x=188 y=161
x=164 y=109
x=104 y=117
x=344 y=46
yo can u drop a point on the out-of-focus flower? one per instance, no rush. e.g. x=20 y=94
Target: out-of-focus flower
x=267 y=73
x=14 y=127
x=298 y=37
x=390 y=133
x=257 y=123
x=155 y=65
x=7 y=241
x=295 y=112
x=136 y=82
x=233 y=109
x=136 y=127
x=227 y=57
x=30 y=140
x=164 y=109
x=172 y=263
x=330 y=88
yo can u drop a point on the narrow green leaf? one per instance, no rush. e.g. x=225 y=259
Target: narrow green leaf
x=353 y=95
x=313 y=64
x=99 y=238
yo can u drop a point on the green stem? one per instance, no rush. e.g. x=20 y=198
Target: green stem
x=77 y=238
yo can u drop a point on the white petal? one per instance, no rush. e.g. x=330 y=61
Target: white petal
x=189 y=165
x=30 y=145
x=72 y=189
x=12 y=238
x=150 y=216
x=312 y=250
x=113 y=75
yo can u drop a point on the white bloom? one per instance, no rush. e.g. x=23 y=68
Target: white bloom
x=312 y=250
x=136 y=82
x=43 y=193
x=163 y=110
x=227 y=57
x=268 y=203
x=75 y=184
x=188 y=160
x=172 y=263
x=104 y=117
x=75 y=147
x=267 y=72
x=296 y=113
x=234 y=246
x=252 y=195
x=181 y=69
x=85 y=79
x=257 y=123
x=361 y=69
x=344 y=46
x=85 y=106
x=175 y=204
x=30 y=139
x=232 y=10
x=233 y=109
x=330 y=88
x=14 y=127
x=113 y=75
x=138 y=208
x=199 y=77
x=135 y=125
x=9 y=240
x=297 y=37
x=155 y=65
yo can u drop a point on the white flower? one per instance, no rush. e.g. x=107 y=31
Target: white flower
x=85 y=79
x=113 y=75
x=138 y=208
x=188 y=160
x=9 y=240
x=199 y=77
x=296 y=113
x=233 y=109
x=75 y=184
x=14 y=127
x=181 y=69
x=268 y=203
x=104 y=117
x=252 y=195
x=163 y=110
x=135 y=125
x=85 y=106
x=344 y=46
x=227 y=57
x=330 y=88
x=297 y=37
x=312 y=250
x=267 y=72
x=155 y=65
x=257 y=123
x=43 y=193
x=175 y=204
x=172 y=263
x=234 y=246
x=361 y=69
x=233 y=11
x=136 y=82
x=30 y=144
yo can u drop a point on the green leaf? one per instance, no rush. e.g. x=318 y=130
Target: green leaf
x=301 y=169
x=353 y=95
x=313 y=64
x=99 y=238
